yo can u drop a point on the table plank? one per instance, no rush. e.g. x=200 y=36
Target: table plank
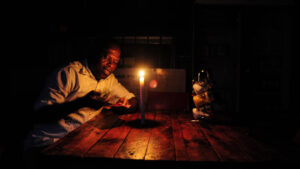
x=78 y=141
x=197 y=145
x=161 y=143
x=230 y=143
x=105 y=120
x=136 y=143
x=255 y=150
x=109 y=144
x=180 y=149
x=165 y=136
x=226 y=148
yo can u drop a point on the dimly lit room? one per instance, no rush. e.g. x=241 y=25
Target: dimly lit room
x=152 y=84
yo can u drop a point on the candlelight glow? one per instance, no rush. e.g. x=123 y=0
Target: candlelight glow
x=153 y=84
x=141 y=73
x=142 y=79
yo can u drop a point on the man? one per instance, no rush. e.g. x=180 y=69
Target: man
x=77 y=92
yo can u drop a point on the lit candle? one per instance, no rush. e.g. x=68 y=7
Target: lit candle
x=141 y=74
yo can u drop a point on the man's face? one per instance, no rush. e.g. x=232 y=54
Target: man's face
x=108 y=64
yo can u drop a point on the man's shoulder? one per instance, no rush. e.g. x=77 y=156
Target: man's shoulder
x=74 y=66
x=112 y=77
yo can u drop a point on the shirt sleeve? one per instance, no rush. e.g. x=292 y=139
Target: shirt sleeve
x=57 y=87
x=118 y=91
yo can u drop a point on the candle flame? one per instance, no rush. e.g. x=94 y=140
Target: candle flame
x=141 y=73
x=141 y=79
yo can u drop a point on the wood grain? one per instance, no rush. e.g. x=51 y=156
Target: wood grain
x=197 y=145
x=165 y=136
x=136 y=143
x=161 y=144
x=179 y=143
x=109 y=144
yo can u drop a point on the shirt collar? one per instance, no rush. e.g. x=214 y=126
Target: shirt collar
x=86 y=70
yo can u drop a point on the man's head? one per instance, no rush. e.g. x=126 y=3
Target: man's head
x=104 y=59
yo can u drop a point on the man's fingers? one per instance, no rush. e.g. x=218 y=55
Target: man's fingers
x=107 y=98
x=122 y=101
x=125 y=102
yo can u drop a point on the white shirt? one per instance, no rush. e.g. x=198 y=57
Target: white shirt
x=65 y=85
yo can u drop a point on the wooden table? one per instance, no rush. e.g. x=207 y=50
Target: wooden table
x=166 y=137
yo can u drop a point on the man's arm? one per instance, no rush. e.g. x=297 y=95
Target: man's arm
x=122 y=100
x=51 y=113
x=133 y=102
x=124 y=106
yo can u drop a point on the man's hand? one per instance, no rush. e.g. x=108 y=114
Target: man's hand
x=122 y=102
x=94 y=100
x=123 y=106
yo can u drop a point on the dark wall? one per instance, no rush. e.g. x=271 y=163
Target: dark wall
x=249 y=52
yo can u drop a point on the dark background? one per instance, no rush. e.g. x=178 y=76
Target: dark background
x=247 y=46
